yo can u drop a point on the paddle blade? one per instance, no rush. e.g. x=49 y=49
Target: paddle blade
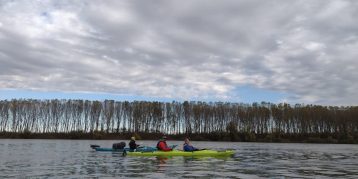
x=94 y=146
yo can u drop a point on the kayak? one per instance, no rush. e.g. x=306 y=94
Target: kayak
x=142 y=149
x=152 y=151
x=139 y=149
x=199 y=153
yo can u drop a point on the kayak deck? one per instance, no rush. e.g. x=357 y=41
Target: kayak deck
x=139 y=149
x=142 y=149
x=200 y=153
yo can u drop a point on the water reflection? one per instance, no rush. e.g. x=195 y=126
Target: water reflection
x=74 y=159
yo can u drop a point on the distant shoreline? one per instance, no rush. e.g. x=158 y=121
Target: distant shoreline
x=201 y=121
x=239 y=137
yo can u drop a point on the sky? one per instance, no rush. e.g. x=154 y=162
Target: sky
x=302 y=51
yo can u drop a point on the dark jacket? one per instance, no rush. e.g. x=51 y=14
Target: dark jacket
x=132 y=145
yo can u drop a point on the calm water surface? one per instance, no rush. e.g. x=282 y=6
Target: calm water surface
x=74 y=159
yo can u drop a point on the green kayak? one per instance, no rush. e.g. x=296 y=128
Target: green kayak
x=200 y=153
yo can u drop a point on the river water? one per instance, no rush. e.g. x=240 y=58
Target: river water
x=75 y=159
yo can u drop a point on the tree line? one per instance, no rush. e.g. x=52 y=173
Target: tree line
x=177 y=118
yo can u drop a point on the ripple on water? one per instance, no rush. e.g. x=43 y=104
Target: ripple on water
x=74 y=159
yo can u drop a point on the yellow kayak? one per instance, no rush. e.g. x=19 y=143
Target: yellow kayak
x=199 y=153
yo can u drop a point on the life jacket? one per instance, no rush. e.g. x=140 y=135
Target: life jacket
x=159 y=143
x=162 y=145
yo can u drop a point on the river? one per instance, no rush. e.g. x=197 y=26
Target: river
x=74 y=159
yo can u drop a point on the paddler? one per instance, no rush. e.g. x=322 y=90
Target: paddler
x=188 y=147
x=132 y=144
x=162 y=144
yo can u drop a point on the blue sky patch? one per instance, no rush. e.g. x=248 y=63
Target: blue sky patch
x=250 y=94
x=244 y=94
x=9 y=94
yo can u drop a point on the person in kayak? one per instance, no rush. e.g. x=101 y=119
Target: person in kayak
x=188 y=147
x=162 y=144
x=132 y=144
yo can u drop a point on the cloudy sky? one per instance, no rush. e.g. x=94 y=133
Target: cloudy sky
x=302 y=51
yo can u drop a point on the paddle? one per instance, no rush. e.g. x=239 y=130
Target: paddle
x=94 y=146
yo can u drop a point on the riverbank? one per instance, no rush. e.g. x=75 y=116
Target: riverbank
x=237 y=137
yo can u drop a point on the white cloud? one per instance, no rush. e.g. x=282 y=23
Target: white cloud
x=314 y=46
x=196 y=49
